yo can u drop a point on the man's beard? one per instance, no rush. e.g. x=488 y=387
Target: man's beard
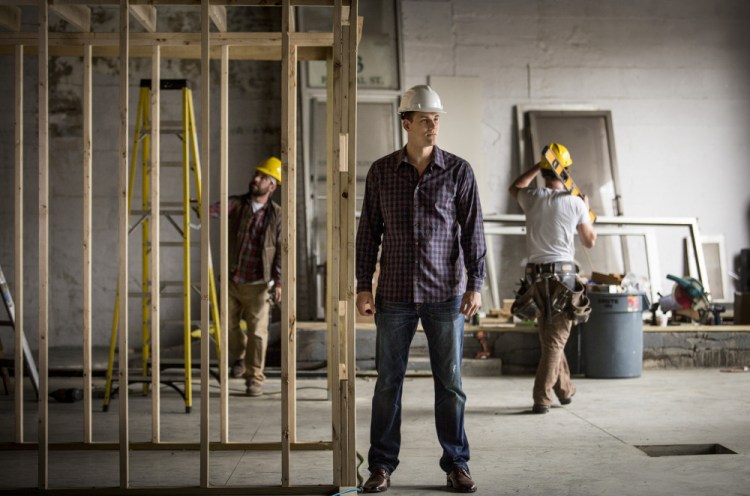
x=256 y=190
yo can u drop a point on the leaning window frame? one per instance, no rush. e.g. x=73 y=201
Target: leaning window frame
x=616 y=225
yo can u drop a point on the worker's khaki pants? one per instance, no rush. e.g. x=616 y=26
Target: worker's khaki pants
x=553 y=373
x=249 y=302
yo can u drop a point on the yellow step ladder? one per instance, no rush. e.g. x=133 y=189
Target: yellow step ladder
x=185 y=130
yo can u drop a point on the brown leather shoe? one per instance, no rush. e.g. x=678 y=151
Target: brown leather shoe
x=378 y=482
x=459 y=479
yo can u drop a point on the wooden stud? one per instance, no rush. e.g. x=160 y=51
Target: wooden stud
x=87 y=240
x=224 y=241
x=335 y=263
x=332 y=262
x=155 y=167
x=351 y=35
x=122 y=369
x=346 y=243
x=43 y=95
x=289 y=247
x=205 y=238
x=18 y=246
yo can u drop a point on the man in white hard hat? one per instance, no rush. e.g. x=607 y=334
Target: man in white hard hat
x=422 y=205
x=553 y=216
x=255 y=265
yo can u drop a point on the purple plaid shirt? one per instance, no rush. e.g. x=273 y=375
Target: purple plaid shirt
x=431 y=228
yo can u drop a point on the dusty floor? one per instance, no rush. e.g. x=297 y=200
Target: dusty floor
x=586 y=448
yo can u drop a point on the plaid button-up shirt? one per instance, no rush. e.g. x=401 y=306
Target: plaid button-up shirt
x=431 y=229
x=251 y=229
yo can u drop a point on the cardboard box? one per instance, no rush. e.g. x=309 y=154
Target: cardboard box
x=741 y=308
x=613 y=279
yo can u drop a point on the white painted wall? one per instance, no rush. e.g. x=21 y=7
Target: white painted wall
x=674 y=73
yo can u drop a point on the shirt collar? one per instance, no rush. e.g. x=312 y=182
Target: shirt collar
x=253 y=204
x=438 y=158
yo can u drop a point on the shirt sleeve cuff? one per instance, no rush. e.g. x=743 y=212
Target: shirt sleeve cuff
x=474 y=284
x=364 y=288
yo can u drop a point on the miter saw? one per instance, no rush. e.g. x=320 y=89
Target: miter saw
x=690 y=299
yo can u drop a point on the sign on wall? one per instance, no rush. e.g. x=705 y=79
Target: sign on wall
x=377 y=58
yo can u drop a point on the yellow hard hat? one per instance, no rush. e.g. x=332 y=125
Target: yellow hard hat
x=272 y=167
x=561 y=153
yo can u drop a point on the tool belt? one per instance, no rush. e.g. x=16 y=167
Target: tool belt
x=544 y=287
x=524 y=307
x=560 y=268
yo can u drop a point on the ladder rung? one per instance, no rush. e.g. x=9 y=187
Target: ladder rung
x=171 y=295
x=141 y=294
x=162 y=212
x=171 y=127
x=171 y=164
x=172 y=322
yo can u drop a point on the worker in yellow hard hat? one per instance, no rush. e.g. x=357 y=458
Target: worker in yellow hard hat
x=255 y=267
x=553 y=217
x=561 y=153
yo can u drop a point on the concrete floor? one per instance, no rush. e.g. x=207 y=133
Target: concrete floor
x=586 y=448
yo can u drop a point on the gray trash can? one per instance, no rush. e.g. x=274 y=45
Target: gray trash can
x=613 y=336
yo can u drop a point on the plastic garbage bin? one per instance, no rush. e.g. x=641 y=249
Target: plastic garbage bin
x=613 y=336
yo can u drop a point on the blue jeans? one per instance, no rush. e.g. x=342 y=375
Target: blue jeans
x=444 y=327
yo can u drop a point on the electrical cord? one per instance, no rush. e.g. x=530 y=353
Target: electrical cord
x=350 y=490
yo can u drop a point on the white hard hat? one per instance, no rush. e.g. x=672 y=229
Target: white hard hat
x=421 y=98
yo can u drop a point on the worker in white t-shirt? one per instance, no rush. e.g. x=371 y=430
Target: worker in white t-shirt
x=553 y=217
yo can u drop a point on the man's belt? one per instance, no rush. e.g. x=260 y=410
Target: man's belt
x=552 y=268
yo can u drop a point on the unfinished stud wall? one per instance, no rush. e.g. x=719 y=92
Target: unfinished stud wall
x=339 y=48
x=254 y=104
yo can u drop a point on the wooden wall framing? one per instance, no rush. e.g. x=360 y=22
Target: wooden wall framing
x=339 y=48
